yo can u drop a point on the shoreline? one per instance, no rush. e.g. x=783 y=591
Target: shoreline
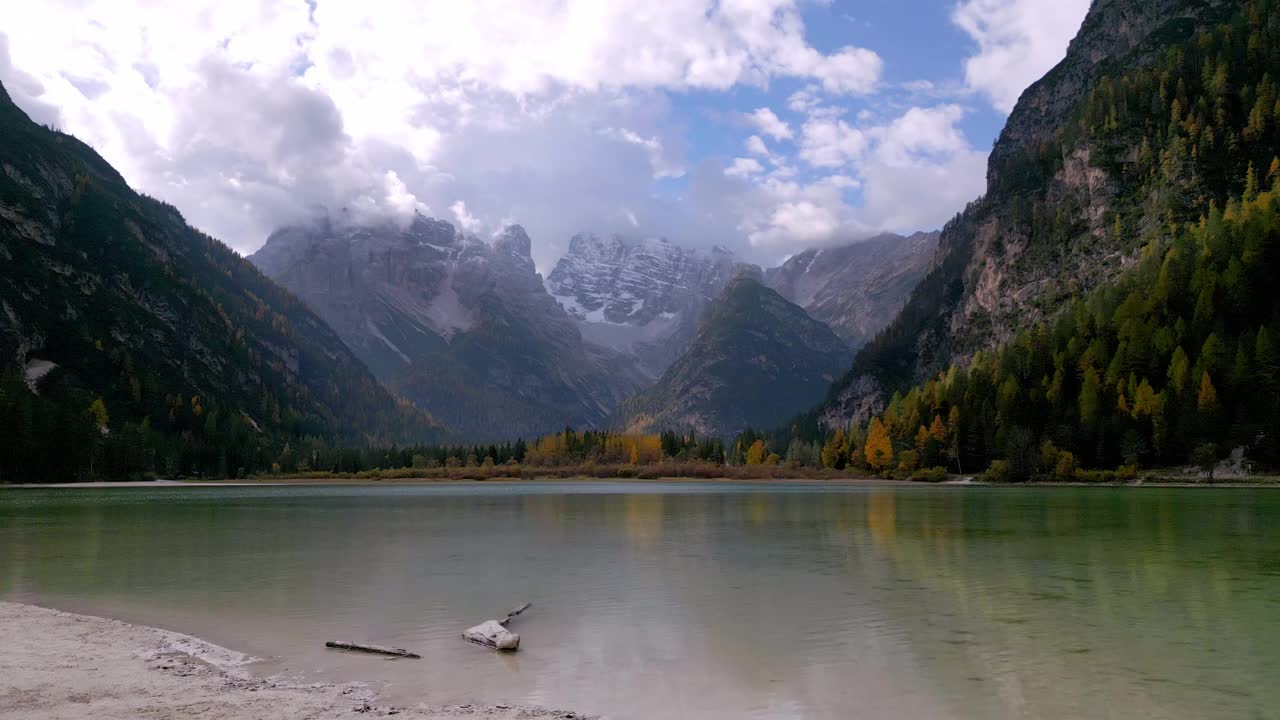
x=323 y=481
x=58 y=665
x=961 y=481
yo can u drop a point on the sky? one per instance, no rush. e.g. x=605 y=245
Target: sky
x=764 y=126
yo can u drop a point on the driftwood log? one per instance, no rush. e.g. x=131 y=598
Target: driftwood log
x=494 y=633
x=394 y=652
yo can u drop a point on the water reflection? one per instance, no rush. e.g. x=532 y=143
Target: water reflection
x=703 y=601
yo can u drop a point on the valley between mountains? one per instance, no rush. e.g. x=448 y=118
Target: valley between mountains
x=468 y=330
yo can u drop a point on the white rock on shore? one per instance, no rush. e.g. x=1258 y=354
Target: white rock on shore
x=61 y=666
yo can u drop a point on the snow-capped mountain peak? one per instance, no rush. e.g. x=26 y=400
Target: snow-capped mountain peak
x=642 y=296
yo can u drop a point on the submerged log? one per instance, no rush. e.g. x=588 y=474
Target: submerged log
x=511 y=615
x=494 y=633
x=395 y=652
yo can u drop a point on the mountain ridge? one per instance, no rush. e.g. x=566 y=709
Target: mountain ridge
x=183 y=347
x=756 y=359
x=463 y=327
x=859 y=287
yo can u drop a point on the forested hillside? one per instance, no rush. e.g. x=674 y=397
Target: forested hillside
x=755 y=359
x=1113 y=292
x=132 y=344
x=1177 y=359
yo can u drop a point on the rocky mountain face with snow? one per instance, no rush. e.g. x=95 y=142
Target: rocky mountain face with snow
x=645 y=297
x=461 y=326
x=469 y=331
x=858 y=288
x=642 y=298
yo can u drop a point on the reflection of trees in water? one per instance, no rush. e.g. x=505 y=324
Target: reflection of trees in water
x=643 y=519
x=767 y=592
x=882 y=519
x=1137 y=601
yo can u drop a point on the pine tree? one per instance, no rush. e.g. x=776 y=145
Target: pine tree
x=1178 y=369
x=833 y=449
x=1145 y=400
x=1090 y=401
x=1207 y=399
x=98 y=410
x=937 y=430
x=1266 y=360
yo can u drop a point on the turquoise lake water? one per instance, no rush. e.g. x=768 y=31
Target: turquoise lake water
x=700 y=601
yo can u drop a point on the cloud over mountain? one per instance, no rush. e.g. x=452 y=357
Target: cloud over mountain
x=248 y=114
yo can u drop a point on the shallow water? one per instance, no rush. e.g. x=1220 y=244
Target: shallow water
x=700 y=601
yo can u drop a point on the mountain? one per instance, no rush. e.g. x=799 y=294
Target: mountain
x=642 y=298
x=191 y=360
x=468 y=330
x=1135 y=129
x=755 y=360
x=859 y=288
x=1111 y=302
x=462 y=327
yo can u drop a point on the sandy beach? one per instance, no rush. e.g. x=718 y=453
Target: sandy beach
x=61 y=666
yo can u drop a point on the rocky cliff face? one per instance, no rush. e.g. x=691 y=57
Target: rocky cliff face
x=1115 y=34
x=755 y=360
x=391 y=293
x=856 y=289
x=1063 y=212
x=461 y=326
x=639 y=297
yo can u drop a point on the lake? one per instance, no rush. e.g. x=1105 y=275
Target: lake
x=699 y=600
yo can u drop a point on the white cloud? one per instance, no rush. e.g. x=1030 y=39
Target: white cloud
x=662 y=165
x=851 y=70
x=921 y=134
x=755 y=145
x=626 y=43
x=24 y=89
x=1018 y=42
x=769 y=123
x=465 y=220
x=912 y=172
x=743 y=167
x=831 y=142
x=247 y=114
x=890 y=192
x=399 y=199
x=804 y=101
x=843 y=182
x=802 y=221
